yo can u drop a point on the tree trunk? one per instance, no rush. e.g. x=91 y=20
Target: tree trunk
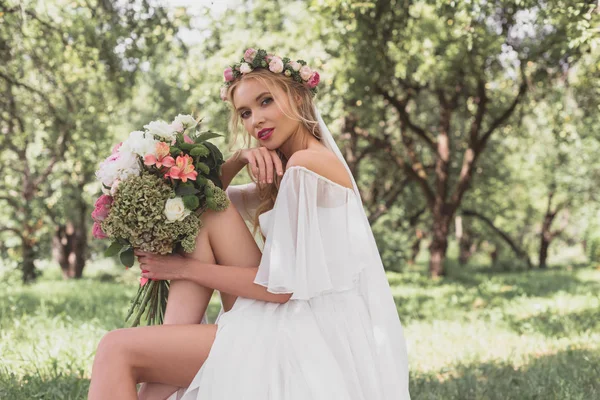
x=61 y=248
x=466 y=242
x=415 y=248
x=438 y=246
x=546 y=237
x=545 y=244
x=28 y=261
x=69 y=248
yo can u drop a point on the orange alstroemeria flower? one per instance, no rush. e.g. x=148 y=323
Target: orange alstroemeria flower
x=162 y=157
x=183 y=169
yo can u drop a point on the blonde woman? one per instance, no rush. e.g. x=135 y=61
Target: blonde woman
x=312 y=316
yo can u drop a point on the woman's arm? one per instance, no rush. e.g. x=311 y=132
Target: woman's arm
x=230 y=169
x=238 y=281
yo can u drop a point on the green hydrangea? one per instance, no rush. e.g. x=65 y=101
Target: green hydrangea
x=216 y=198
x=137 y=216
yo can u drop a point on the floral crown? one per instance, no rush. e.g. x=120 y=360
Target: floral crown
x=253 y=59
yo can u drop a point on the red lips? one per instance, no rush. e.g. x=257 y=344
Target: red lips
x=265 y=133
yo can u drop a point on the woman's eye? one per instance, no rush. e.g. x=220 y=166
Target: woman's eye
x=245 y=114
x=267 y=100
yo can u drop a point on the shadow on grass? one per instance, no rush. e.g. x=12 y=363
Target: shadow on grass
x=466 y=290
x=551 y=324
x=78 y=301
x=571 y=374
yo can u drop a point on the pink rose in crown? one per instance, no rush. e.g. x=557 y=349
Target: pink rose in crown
x=188 y=139
x=228 y=74
x=97 y=231
x=183 y=169
x=162 y=157
x=276 y=65
x=314 y=80
x=249 y=55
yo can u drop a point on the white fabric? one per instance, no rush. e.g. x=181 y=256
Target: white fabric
x=339 y=336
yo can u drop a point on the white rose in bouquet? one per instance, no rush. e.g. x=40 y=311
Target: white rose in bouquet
x=175 y=210
x=161 y=129
x=118 y=166
x=139 y=143
x=186 y=120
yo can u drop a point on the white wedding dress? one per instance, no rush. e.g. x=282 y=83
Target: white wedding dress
x=339 y=336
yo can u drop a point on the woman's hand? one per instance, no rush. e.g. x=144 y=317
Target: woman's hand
x=264 y=162
x=163 y=267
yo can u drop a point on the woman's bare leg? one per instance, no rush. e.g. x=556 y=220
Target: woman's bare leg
x=224 y=239
x=171 y=354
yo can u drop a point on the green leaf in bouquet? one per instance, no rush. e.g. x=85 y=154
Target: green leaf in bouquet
x=191 y=202
x=200 y=150
x=127 y=257
x=175 y=152
x=185 y=189
x=113 y=249
x=179 y=139
x=215 y=153
x=186 y=146
x=205 y=169
x=207 y=136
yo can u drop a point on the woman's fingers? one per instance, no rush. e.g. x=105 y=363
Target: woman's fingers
x=268 y=164
x=253 y=164
x=277 y=163
x=260 y=160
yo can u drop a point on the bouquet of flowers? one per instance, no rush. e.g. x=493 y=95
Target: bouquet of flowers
x=156 y=184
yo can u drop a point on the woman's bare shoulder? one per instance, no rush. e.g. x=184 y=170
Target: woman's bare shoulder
x=322 y=162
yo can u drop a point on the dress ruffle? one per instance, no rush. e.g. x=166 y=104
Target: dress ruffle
x=311 y=243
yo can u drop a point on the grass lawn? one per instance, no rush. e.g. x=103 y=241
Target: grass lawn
x=472 y=335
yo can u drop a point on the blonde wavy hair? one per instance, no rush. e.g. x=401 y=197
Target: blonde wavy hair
x=301 y=108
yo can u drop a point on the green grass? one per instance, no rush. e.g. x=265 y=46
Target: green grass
x=472 y=335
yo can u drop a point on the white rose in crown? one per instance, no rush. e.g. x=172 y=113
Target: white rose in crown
x=305 y=72
x=186 y=120
x=175 y=210
x=276 y=65
x=245 y=68
x=295 y=65
x=161 y=129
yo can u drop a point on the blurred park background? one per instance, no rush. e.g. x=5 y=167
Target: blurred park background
x=471 y=126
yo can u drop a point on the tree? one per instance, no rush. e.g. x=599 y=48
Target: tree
x=450 y=75
x=64 y=65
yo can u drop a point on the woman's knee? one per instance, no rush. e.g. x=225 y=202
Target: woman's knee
x=113 y=346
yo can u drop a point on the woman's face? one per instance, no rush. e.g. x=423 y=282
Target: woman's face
x=261 y=115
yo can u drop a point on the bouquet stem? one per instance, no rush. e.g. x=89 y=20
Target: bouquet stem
x=151 y=299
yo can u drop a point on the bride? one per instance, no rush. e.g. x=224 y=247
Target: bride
x=312 y=316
